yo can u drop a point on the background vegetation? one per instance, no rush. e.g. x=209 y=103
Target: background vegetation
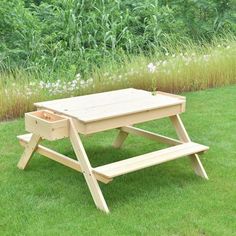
x=51 y=49
x=76 y=34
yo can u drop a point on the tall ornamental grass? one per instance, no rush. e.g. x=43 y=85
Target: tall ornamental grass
x=176 y=71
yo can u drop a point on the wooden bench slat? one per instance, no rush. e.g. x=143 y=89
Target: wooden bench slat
x=150 y=159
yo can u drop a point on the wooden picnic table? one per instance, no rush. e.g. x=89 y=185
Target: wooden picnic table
x=121 y=109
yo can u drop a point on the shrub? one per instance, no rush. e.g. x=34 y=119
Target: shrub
x=74 y=35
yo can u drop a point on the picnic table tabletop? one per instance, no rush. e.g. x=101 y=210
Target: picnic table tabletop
x=110 y=104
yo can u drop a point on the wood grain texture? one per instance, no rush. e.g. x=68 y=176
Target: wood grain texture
x=87 y=169
x=58 y=157
x=107 y=105
x=28 y=152
x=183 y=136
x=150 y=135
x=150 y=159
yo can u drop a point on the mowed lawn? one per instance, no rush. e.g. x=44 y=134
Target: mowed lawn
x=169 y=199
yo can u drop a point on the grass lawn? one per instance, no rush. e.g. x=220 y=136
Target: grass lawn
x=168 y=199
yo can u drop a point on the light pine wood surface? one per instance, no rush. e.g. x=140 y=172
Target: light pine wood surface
x=107 y=105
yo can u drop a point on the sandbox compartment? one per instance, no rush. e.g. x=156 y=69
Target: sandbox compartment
x=46 y=124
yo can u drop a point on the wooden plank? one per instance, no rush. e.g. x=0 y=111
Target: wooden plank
x=96 y=107
x=175 y=96
x=93 y=100
x=150 y=135
x=28 y=152
x=180 y=129
x=58 y=157
x=127 y=107
x=131 y=119
x=171 y=95
x=52 y=128
x=120 y=139
x=183 y=135
x=87 y=169
x=154 y=158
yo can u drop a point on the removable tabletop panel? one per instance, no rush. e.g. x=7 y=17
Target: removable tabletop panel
x=102 y=111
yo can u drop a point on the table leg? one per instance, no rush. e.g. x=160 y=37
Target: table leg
x=28 y=152
x=183 y=136
x=87 y=169
x=120 y=139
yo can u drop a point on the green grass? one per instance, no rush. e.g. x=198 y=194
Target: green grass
x=180 y=69
x=169 y=199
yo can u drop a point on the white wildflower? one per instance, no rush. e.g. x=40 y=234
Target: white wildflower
x=73 y=85
x=164 y=62
x=90 y=80
x=48 y=85
x=41 y=84
x=78 y=76
x=70 y=88
x=82 y=82
x=206 y=57
x=151 y=67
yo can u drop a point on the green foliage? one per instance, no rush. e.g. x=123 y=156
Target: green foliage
x=74 y=35
x=193 y=68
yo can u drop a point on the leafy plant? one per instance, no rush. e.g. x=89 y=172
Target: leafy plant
x=56 y=35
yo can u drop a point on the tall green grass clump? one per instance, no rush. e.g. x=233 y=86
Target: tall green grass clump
x=184 y=68
x=177 y=70
x=74 y=35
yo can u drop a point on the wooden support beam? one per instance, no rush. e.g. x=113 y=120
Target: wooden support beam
x=150 y=135
x=183 y=135
x=62 y=159
x=29 y=151
x=87 y=170
x=120 y=139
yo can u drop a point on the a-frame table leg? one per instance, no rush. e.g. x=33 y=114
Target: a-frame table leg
x=87 y=169
x=120 y=139
x=183 y=136
x=28 y=152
